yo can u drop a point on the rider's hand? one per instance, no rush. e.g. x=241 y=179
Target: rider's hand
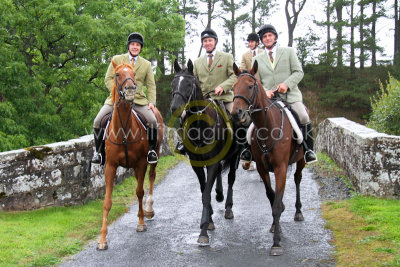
x=152 y=107
x=282 y=88
x=219 y=90
x=270 y=93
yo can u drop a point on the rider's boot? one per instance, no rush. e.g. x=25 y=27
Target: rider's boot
x=308 y=143
x=246 y=157
x=180 y=148
x=98 y=139
x=152 y=134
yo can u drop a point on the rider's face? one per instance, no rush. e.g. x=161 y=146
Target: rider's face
x=268 y=39
x=252 y=45
x=134 y=48
x=209 y=44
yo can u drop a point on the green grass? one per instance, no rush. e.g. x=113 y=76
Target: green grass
x=366 y=229
x=43 y=237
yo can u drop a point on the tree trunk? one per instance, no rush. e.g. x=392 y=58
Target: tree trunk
x=362 y=56
x=292 y=20
x=328 y=26
x=253 y=17
x=233 y=27
x=352 y=60
x=373 y=35
x=396 y=33
x=339 y=37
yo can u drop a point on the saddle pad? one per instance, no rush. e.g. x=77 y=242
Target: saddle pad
x=140 y=116
x=292 y=121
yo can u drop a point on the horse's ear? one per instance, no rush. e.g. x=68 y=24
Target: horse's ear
x=114 y=64
x=190 y=66
x=236 y=70
x=254 y=69
x=177 y=68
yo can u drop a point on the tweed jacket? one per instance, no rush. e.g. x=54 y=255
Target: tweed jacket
x=247 y=59
x=287 y=69
x=220 y=74
x=144 y=78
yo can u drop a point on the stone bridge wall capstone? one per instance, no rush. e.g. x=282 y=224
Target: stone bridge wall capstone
x=57 y=174
x=370 y=159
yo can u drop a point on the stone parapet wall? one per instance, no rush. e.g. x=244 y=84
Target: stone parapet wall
x=56 y=174
x=370 y=159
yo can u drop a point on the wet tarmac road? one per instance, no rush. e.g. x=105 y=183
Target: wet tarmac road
x=171 y=238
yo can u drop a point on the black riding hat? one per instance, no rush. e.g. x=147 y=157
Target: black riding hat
x=134 y=37
x=267 y=28
x=207 y=33
x=253 y=37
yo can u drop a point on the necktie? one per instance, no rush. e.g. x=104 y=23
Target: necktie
x=254 y=53
x=270 y=56
x=209 y=60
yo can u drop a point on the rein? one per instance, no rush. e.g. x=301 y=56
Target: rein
x=251 y=110
x=125 y=142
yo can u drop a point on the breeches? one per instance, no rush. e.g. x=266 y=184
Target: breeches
x=301 y=112
x=147 y=113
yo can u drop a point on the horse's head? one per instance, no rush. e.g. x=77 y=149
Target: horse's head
x=245 y=89
x=184 y=86
x=125 y=82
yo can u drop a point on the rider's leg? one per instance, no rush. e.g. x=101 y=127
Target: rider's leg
x=152 y=131
x=306 y=129
x=180 y=148
x=98 y=133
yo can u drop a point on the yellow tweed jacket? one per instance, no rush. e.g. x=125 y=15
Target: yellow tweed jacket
x=144 y=77
x=220 y=74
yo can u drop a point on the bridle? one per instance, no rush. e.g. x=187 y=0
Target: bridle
x=251 y=102
x=122 y=92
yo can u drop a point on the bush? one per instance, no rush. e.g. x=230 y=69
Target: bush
x=385 y=116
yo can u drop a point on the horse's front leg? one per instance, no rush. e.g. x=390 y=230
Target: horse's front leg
x=140 y=172
x=107 y=203
x=231 y=181
x=219 y=190
x=148 y=203
x=207 y=209
x=277 y=208
x=297 y=179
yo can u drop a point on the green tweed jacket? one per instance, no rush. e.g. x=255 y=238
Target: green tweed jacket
x=144 y=77
x=220 y=74
x=287 y=70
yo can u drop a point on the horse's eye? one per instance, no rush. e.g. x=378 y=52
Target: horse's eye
x=251 y=87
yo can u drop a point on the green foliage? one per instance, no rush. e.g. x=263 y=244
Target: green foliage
x=54 y=55
x=385 y=116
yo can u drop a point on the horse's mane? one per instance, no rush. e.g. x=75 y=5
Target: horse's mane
x=115 y=71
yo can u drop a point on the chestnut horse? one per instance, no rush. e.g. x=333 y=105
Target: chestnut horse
x=272 y=144
x=127 y=146
x=212 y=142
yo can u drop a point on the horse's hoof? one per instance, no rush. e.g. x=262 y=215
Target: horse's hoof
x=141 y=228
x=102 y=246
x=298 y=217
x=276 y=251
x=211 y=226
x=272 y=230
x=203 y=241
x=149 y=214
x=229 y=214
x=219 y=197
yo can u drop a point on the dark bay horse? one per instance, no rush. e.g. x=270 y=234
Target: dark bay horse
x=272 y=144
x=127 y=146
x=208 y=138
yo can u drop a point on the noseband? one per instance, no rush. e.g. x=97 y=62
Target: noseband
x=251 y=102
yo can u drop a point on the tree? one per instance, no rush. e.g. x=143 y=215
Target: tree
x=263 y=8
x=338 y=25
x=291 y=19
x=396 y=58
x=305 y=47
x=187 y=10
x=232 y=22
x=210 y=15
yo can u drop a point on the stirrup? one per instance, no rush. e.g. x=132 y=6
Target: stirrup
x=310 y=157
x=180 y=148
x=97 y=158
x=152 y=157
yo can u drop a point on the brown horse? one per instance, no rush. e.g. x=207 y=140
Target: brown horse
x=272 y=144
x=127 y=146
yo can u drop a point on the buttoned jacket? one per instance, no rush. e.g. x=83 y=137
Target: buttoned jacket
x=287 y=69
x=144 y=78
x=220 y=74
x=247 y=59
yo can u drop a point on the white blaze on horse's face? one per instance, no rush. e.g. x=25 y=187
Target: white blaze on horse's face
x=179 y=82
x=129 y=91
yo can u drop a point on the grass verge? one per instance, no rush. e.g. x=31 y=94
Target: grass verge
x=366 y=230
x=43 y=237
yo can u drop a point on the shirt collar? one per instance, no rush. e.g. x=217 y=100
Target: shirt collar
x=273 y=50
x=134 y=58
